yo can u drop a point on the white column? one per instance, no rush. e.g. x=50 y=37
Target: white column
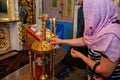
x=75 y=21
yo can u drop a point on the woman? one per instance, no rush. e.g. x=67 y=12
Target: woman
x=102 y=37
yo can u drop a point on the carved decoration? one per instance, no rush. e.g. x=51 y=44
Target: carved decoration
x=4 y=37
x=21 y=32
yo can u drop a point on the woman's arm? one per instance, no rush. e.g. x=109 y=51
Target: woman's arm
x=105 y=68
x=70 y=42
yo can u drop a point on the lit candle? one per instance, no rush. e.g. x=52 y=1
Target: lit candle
x=54 y=23
x=51 y=26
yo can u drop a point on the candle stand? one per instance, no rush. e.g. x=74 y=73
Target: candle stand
x=44 y=48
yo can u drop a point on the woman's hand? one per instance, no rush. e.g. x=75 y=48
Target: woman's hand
x=75 y=54
x=56 y=40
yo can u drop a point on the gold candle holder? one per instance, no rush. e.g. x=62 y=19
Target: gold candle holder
x=44 y=18
x=43 y=47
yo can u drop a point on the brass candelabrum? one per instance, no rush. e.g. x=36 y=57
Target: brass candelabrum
x=44 y=48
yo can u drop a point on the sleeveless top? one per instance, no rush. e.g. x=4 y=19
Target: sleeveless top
x=95 y=55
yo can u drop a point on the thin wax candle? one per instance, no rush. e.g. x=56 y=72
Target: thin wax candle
x=54 y=24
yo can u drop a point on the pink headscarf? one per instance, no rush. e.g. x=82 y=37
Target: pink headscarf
x=100 y=33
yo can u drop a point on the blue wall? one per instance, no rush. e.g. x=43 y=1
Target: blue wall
x=64 y=31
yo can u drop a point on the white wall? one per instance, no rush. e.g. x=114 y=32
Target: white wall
x=14 y=36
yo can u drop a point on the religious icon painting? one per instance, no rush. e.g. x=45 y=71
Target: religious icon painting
x=69 y=8
x=54 y=4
